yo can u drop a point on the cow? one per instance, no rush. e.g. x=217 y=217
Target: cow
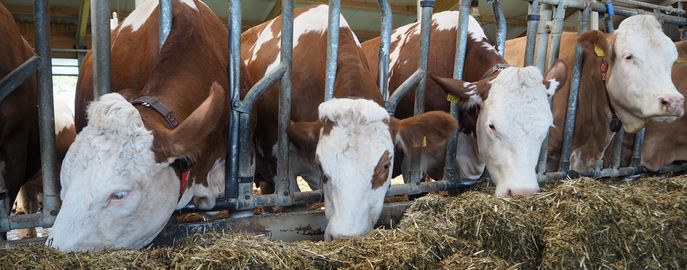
x=504 y=113
x=625 y=76
x=19 y=136
x=155 y=143
x=344 y=145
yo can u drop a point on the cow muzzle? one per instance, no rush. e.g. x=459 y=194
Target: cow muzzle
x=672 y=107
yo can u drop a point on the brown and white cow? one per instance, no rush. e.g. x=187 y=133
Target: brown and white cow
x=345 y=145
x=511 y=102
x=637 y=60
x=119 y=182
x=19 y=137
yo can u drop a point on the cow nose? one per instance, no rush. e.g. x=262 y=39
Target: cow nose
x=522 y=192
x=672 y=105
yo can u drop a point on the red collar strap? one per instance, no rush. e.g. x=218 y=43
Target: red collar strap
x=182 y=166
x=184 y=182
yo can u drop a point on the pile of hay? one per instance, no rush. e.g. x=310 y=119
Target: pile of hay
x=576 y=224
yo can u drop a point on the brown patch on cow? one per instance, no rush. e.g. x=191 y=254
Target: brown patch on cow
x=381 y=173
x=681 y=51
x=327 y=126
x=304 y=135
x=423 y=133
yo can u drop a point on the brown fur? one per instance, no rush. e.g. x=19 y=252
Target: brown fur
x=381 y=173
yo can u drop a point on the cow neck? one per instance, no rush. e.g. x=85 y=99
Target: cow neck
x=482 y=62
x=353 y=75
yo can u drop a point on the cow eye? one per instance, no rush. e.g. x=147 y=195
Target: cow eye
x=628 y=57
x=118 y=196
x=492 y=127
x=386 y=166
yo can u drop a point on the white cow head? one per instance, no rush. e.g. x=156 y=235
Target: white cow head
x=640 y=58
x=118 y=190
x=514 y=119
x=353 y=142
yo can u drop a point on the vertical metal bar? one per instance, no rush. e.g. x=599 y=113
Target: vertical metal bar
x=384 y=48
x=165 y=20
x=617 y=148
x=450 y=173
x=231 y=187
x=501 y=27
x=610 y=12
x=100 y=31
x=332 y=47
x=414 y=174
x=637 y=152
x=84 y=13
x=46 y=114
x=533 y=19
x=283 y=182
x=543 y=37
x=683 y=31
x=572 y=99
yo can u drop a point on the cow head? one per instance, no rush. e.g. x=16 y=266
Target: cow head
x=118 y=189
x=514 y=119
x=353 y=142
x=639 y=57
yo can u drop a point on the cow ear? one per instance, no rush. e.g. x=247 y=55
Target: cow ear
x=597 y=43
x=304 y=135
x=475 y=92
x=681 y=51
x=423 y=133
x=555 y=77
x=188 y=138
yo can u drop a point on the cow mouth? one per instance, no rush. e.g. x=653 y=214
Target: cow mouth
x=665 y=118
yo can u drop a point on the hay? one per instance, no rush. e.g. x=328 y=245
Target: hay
x=576 y=224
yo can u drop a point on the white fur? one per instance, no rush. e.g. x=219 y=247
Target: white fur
x=190 y=3
x=312 y=20
x=468 y=161
x=205 y=197
x=636 y=86
x=112 y=154
x=140 y=15
x=518 y=108
x=348 y=155
x=553 y=85
x=63 y=115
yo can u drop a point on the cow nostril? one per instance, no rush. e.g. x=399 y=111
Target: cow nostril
x=510 y=193
x=664 y=102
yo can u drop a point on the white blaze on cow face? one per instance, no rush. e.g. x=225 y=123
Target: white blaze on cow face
x=640 y=84
x=349 y=154
x=113 y=194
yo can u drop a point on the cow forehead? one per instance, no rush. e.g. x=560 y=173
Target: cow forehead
x=518 y=99
x=643 y=34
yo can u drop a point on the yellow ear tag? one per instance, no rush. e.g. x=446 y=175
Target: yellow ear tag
x=452 y=98
x=424 y=141
x=681 y=60
x=599 y=52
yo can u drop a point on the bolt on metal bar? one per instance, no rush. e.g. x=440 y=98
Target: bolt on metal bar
x=283 y=180
x=450 y=173
x=165 y=21
x=15 y=78
x=556 y=31
x=384 y=48
x=533 y=19
x=100 y=31
x=501 y=27
x=46 y=115
x=572 y=99
x=332 y=47
x=231 y=187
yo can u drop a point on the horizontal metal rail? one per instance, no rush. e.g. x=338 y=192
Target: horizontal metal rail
x=667 y=9
x=17 y=77
x=601 y=7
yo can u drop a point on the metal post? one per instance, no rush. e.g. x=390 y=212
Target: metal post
x=556 y=31
x=332 y=47
x=165 y=20
x=637 y=152
x=100 y=31
x=543 y=37
x=384 y=48
x=283 y=182
x=610 y=12
x=533 y=19
x=501 y=27
x=231 y=187
x=46 y=115
x=450 y=173
x=15 y=78
x=572 y=99
x=600 y=7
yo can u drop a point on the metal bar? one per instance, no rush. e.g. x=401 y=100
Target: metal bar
x=165 y=21
x=609 y=17
x=231 y=187
x=384 y=48
x=283 y=176
x=46 y=115
x=246 y=105
x=572 y=99
x=84 y=13
x=667 y=9
x=332 y=47
x=100 y=31
x=601 y=7
x=17 y=77
x=64 y=50
x=637 y=151
x=617 y=148
x=501 y=27
x=403 y=89
x=543 y=37
x=533 y=19
x=450 y=173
